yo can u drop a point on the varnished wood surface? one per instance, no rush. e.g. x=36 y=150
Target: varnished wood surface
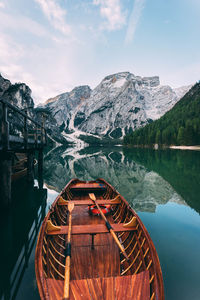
x=103 y=261
x=92 y=229
x=98 y=269
x=88 y=186
x=132 y=287
x=90 y=202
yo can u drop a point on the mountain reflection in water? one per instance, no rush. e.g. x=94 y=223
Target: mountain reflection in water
x=146 y=178
x=152 y=181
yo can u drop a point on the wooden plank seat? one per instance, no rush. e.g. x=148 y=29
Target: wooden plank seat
x=85 y=186
x=108 y=288
x=89 y=229
x=90 y=202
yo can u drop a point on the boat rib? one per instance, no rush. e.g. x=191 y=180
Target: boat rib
x=98 y=268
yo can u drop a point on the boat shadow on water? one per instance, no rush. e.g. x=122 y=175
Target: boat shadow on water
x=19 y=228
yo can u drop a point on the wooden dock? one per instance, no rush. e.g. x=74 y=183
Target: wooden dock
x=26 y=136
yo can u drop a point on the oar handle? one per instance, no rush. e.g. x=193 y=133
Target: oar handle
x=68 y=257
x=67 y=278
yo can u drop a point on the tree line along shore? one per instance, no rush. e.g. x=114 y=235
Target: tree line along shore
x=178 y=127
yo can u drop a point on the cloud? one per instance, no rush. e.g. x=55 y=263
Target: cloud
x=22 y=23
x=55 y=14
x=45 y=76
x=10 y=55
x=9 y=49
x=2 y=5
x=111 y=10
x=134 y=19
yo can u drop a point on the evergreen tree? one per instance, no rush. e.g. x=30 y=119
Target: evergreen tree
x=180 y=125
x=181 y=136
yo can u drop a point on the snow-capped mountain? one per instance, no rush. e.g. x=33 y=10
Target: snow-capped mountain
x=120 y=103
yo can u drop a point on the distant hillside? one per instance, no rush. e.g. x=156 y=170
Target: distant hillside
x=179 y=126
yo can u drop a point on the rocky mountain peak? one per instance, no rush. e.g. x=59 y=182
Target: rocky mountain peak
x=81 y=92
x=151 y=81
x=4 y=85
x=120 y=103
x=124 y=78
x=18 y=94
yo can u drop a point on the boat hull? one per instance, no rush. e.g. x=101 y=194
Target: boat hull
x=98 y=267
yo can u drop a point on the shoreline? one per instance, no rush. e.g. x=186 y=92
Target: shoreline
x=186 y=147
x=156 y=147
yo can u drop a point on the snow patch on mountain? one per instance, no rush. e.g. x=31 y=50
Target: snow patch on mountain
x=120 y=103
x=119 y=83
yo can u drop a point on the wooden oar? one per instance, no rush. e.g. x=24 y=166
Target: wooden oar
x=92 y=197
x=68 y=254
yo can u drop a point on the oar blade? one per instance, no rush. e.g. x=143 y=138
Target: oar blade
x=92 y=196
x=70 y=207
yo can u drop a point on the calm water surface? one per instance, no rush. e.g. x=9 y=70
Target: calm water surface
x=162 y=186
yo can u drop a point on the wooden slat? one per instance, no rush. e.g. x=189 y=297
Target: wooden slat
x=108 y=287
x=139 y=288
x=85 y=186
x=80 y=290
x=95 y=288
x=89 y=202
x=55 y=288
x=91 y=229
x=122 y=287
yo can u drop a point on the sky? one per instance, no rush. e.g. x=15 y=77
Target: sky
x=55 y=45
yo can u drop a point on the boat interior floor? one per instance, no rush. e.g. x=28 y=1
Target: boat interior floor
x=111 y=288
x=103 y=260
x=95 y=271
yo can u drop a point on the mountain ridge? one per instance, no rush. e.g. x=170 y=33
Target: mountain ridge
x=178 y=126
x=121 y=103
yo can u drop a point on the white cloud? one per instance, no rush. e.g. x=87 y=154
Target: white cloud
x=2 y=5
x=55 y=14
x=134 y=19
x=48 y=71
x=111 y=10
x=9 y=49
x=22 y=23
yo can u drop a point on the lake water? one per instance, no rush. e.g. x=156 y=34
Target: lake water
x=162 y=186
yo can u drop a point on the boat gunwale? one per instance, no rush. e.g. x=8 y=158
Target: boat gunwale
x=154 y=254
x=41 y=279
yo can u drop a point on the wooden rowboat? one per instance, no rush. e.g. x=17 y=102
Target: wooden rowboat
x=97 y=262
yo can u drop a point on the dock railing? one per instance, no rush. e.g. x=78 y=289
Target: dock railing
x=26 y=133
x=19 y=132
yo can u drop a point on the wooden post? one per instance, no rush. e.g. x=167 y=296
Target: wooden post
x=43 y=130
x=30 y=167
x=25 y=132
x=36 y=136
x=5 y=127
x=5 y=178
x=40 y=168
